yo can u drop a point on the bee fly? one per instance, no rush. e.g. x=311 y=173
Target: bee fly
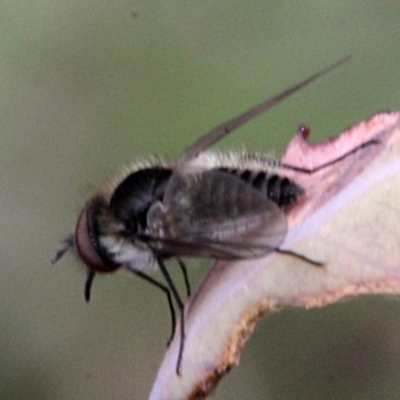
x=213 y=205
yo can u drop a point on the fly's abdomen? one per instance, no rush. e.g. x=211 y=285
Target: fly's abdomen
x=279 y=189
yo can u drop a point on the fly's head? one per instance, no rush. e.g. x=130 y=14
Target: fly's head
x=109 y=230
x=107 y=235
x=97 y=233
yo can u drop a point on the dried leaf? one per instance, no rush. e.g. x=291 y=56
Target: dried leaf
x=348 y=219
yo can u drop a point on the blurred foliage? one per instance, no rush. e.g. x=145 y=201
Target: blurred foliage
x=88 y=86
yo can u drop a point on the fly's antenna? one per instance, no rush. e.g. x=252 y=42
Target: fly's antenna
x=224 y=129
x=67 y=243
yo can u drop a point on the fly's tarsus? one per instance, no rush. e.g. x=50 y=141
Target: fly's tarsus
x=181 y=307
x=300 y=257
x=167 y=291
x=310 y=171
x=185 y=276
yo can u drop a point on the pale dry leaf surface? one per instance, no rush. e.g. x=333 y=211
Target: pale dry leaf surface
x=349 y=219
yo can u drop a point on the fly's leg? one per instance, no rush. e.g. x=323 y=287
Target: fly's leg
x=300 y=257
x=180 y=305
x=304 y=130
x=185 y=276
x=88 y=284
x=167 y=291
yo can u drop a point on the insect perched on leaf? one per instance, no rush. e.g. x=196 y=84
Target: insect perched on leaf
x=222 y=206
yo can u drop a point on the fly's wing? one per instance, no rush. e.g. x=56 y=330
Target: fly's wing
x=214 y=213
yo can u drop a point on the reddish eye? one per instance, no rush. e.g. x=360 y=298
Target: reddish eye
x=85 y=247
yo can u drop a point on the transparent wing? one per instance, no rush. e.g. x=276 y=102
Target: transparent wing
x=217 y=214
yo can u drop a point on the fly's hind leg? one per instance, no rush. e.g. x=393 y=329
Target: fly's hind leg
x=304 y=131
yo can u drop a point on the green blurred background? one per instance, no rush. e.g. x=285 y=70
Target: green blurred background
x=87 y=86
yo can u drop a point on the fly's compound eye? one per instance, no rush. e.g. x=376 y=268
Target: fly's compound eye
x=87 y=244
